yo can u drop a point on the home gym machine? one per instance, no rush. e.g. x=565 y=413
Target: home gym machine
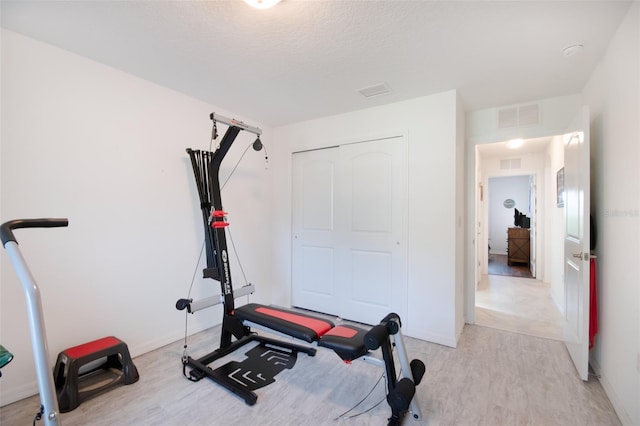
x=49 y=409
x=376 y=345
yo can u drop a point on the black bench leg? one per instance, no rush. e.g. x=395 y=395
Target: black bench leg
x=285 y=345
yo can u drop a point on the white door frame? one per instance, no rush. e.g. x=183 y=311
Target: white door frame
x=478 y=239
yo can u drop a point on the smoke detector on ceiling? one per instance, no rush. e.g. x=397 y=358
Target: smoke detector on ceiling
x=375 y=90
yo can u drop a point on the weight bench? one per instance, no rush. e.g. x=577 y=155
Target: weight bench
x=349 y=342
x=270 y=356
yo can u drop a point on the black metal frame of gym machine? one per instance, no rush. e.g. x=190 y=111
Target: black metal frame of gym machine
x=206 y=167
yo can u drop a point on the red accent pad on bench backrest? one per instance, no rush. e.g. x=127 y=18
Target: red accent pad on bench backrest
x=341 y=331
x=317 y=325
x=85 y=349
x=346 y=340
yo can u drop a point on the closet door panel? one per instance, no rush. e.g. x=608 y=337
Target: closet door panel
x=313 y=258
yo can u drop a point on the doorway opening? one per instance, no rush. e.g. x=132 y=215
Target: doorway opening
x=513 y=293
x=511 y=206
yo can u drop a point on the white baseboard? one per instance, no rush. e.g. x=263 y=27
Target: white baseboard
x=145 y=347
x=624 y=417
x=429 y=337
x=25 y=390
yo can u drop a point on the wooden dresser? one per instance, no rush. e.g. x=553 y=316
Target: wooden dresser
x=518 y=246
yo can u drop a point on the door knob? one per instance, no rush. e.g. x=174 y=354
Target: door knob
x=577 y=255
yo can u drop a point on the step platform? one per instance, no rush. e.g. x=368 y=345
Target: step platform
x=85 y=371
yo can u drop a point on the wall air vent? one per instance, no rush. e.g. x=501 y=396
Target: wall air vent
x=529 y=115
x=524 y=115
x=375 y=90
x=510 y=164
x=507 y=117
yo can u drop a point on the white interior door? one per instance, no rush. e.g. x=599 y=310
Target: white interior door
x=576 y=244
x=372 y=200
x=314 y=233
x=349 y=230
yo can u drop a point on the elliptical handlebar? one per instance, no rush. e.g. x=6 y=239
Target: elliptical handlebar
x=6 y=229
x=46 y=386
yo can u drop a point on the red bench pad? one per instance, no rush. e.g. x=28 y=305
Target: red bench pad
x=345 y=340
x=294 y=324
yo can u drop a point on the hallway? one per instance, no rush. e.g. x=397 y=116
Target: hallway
x=519 y=305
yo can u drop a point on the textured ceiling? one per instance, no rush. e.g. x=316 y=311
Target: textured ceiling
x=307 y=59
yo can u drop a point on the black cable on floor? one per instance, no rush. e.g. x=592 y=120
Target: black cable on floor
x=360 y=402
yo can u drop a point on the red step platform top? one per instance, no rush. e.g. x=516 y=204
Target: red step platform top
x=92 y=347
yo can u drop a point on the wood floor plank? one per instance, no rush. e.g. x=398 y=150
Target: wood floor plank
x=498 y=265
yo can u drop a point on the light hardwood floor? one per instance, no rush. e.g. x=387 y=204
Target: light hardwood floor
x=520 y=305
x=493 y=377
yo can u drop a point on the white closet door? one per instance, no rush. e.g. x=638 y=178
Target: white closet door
x=372 y=241
x=314 y=235
x=349 y=229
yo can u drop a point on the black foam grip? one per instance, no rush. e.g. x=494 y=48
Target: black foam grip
x=417 y=370
x=376 y=336
x=391 y=316
x=6 y=229
x=182 y=304
x=392 y=322
x=400 y=398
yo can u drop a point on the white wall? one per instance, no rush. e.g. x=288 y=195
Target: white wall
x=430 y=126
x=461 y=212
x=107 y=150
x=501 y=219
x=553 y=268
x=555 y=113
x=613 y=94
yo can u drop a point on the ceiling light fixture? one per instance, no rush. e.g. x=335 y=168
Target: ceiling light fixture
x=262 y=4
x=574 y=49
x=515 y=143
